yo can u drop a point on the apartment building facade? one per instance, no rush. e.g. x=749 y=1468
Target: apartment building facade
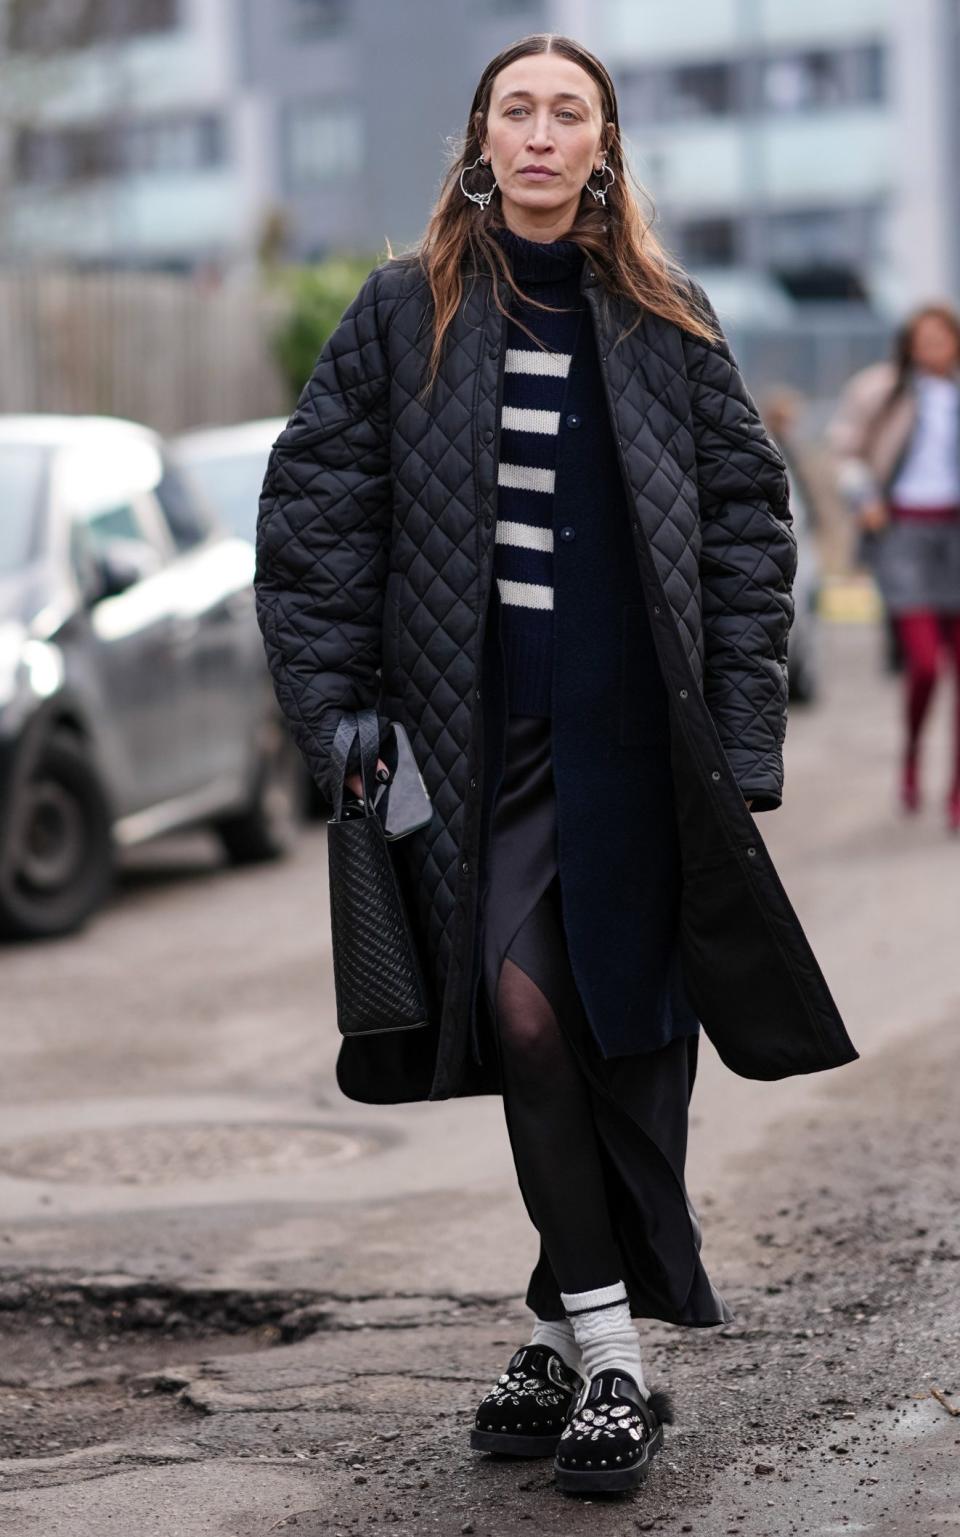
x=810 y=147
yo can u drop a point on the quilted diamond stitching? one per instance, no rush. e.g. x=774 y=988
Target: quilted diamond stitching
x=366 y=479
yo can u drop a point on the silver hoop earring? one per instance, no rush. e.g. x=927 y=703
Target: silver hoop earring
x=600 y=193
x=481 y=198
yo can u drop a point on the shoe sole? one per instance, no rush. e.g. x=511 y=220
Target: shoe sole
x=596 y=1480
x=513 y=1446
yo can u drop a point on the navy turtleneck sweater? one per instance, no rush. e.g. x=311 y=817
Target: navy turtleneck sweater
x=534 y=390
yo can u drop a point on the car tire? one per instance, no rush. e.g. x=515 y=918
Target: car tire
x=57 y=865
x=269 y=826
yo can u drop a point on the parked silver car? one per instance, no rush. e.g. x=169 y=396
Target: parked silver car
x=134 y=693
x=228 y=464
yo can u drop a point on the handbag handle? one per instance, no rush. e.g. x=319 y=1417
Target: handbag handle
x=367 y=722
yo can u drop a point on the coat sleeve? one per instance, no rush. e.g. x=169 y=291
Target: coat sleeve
x=748 y=562
x=323 y=533
x=848 y=431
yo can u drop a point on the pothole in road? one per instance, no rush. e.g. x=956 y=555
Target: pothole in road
x=157 y=1155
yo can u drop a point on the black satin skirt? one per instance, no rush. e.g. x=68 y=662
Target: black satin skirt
x=640 y=1103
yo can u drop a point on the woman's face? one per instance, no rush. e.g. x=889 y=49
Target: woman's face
x=544 y=111
x=933 y=345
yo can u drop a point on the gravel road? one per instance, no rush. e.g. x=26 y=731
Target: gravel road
x=233 y=1302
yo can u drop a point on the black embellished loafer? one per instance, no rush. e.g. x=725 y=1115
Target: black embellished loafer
x=524 y=1413
x=612 y=1435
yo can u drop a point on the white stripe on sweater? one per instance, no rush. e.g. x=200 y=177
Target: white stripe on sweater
x=530 y=360
x=526 y=419
x=525 y=594
x=526 y=535
x=525 y=477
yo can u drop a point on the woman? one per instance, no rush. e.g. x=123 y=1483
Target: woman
x=552 y=537
x=897 y=435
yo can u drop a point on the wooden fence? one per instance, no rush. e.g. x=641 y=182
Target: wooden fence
x=174 y=352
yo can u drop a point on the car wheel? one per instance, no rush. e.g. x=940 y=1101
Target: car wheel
x=269 y=826
x=57 y=865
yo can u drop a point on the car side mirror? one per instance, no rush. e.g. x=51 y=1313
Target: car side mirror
x=120 y=564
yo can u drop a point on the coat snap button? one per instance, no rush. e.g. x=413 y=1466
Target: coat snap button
x=465 y=866
x=715 y=774
x=751 y=852
x=573 y=421
x=656 y=608
x=683 y=693
x=488 y=436
x=473 y=783
x=477 y=691
x=567 y=532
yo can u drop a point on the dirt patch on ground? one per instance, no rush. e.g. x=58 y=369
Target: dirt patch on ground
x=813 y=1411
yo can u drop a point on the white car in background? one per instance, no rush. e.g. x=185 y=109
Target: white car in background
x=228 y=464
x=135 y=697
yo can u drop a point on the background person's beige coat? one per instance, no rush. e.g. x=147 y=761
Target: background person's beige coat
x=869 y=436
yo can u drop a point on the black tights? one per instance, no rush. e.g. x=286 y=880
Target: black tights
x=548 y=1105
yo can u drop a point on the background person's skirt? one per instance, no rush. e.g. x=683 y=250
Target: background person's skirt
x=640 y=1102
x=915 y=560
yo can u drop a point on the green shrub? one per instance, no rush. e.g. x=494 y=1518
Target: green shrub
x=316 y=298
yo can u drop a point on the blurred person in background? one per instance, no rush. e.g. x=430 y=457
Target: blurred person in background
x=896 y=432
x=782 y=408
x=553 y=538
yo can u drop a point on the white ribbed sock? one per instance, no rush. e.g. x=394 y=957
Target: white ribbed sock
x=558 y=1335
x=605 y=1332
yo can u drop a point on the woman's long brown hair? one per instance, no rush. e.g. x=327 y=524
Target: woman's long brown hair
x=628 y=258
x=902 y=359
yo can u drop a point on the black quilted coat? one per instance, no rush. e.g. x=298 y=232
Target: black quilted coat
x=374 y=571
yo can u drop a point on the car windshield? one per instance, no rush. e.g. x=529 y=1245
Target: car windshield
x=232 y=484
x=21 y=478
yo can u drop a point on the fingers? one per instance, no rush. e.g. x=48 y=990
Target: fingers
x=354 y=782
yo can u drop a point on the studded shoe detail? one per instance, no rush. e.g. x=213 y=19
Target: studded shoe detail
x=612 y=1435
x=525 y=1411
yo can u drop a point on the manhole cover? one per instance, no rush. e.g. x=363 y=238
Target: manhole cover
x=156 y=1155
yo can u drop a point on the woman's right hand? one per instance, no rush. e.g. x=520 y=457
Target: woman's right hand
x=874 y=515
x=354 y=782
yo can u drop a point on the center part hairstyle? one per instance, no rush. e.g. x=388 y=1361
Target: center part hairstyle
x=626 y=255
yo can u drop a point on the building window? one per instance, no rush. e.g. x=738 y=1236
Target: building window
x=46 y=157
x=173 y=144
x=823 y=78
x=700 y=90
x=318 y=18
x=708 y=242
x=323 y=143
x=820 y=253
x=56 y=156
x=651 y=95
x=51 y=25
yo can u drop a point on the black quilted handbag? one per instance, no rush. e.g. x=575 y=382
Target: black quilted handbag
x=377 y=977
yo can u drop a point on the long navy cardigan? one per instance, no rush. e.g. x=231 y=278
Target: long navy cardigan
x=619 y=861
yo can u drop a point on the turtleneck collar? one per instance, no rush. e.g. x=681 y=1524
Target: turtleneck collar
x=539 y=261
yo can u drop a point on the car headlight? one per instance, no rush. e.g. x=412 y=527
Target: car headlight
x=12 y=637
x=26 y=661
